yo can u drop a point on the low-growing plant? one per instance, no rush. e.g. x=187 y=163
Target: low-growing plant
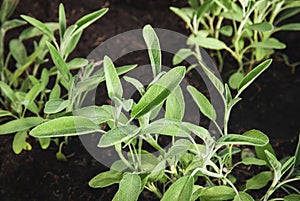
x=30 y=90
x=244 y=29
x=196 y=165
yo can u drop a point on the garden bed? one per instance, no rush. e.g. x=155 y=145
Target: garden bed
x=271 y=105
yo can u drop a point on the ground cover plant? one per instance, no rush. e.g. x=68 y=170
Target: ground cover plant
x=243 y=30
x=196 y=165
x=30 y=90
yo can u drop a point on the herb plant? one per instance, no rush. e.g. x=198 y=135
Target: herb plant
x=196 y=165
x=28 y=94
x=244 y=29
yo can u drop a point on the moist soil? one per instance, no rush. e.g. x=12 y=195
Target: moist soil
x=271 y=104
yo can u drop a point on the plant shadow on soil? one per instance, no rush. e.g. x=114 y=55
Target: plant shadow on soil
x=271 y=105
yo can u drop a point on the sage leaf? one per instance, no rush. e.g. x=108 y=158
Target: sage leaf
x=105 y=179
x=64 y=126
x=217 y=193
x=134 y=182
x=175 y=105
x=182 y=189
x=20 y=124
x=259 y=181
x=158 y=92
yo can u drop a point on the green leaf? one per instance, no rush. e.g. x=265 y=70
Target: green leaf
x=259 y=181
x=44 y=77
x=201 y=132
x=289 y=27
x=59 y=62
x=287 y=165
x=183 y=15
x=178 y=148
x=175 y=105
x=31 y=95
x=181 y=55
x=7 y=91
x=18 y=51
x=182 y=189
x=297 y=153
x=270 y=43
x=55 y=105
x=158 y=92
x=217 y=193
x=292 y=197
x=44 y=142
x=253 y=161
x=276 y=165
x=20 y=124
x=235 y=79
x=252 y=75
x=39 y=25
x=19 y=142
x=153 y=47
x=203 y=103
x=130 y=187
x=62 y=20
x=243 y=196
x=7 y=8
x=11 y=24
x=262 y=27
x=61 y=157
x=70 y=45
x=207 y=42
x=118 y=135
x=88 y=19
x=113 y=84
x=260 y=152
x=4 y=113
x=105 y=179
x=55 y=93
x=252 y=137
x=165 y=127
x=226 y=30
x=214 y=79
x=77 y=63
x=64 y=126
x=96 y=114
x=196 y=192
x=136 y=83
x=32 y=32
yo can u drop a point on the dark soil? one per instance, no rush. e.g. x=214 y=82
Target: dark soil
x=271 y=105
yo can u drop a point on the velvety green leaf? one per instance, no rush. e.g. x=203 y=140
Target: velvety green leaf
x=275 y=164
x=59 y=62
x=32 y=32
x=4 y=113
x=61 y=157
x=113 y=84
x=196 y=192
x=105 y=179
x=62 y=20
x=118 y=135
x=243 y=196
x=96 y=114
x=64 y=126
x=252 y=137
x=216 y=193
x=235 y=79
x=175 y=105
x=71 y=44
x=182 y=189
x=88 y=19
x=226 y=30
x=20 y=124
x=44 y=142
x=203 y=103
x=253 y=161
x=130 y=187
x=259 y=181
x=55 y=93
x=165 y=127
x=252 y=75
x=178 y=148
x=153 y=47
x=32 y=94
x=19 y=142
x=290 y=27
x=260 y=152
x=39 y=25
x=55 y=105
x=181 y=55
x=7 y=91
x=287 y=165
x=214 y=79
x=11 y=24
x=159 y=91
x=7 y=8
x=201 y=132
x=297 y=153
x=18 y=51
x=209 y=43
x=270 y=43
x=262 y=27
x=292 y=197
x=44 y=77
x=183 y=15
x=287 y=14
x=136 y=83
x=77 y=63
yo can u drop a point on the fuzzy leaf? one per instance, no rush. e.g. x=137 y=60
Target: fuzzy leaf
x=105 y=179
x=181 y=55
x=207 y=42
x=262 y=27
x=175 y=105
x=20 y=124
x=134 y=182
x=217 y=193
x=182 y=189
x=55 y=105
x=259 y=181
